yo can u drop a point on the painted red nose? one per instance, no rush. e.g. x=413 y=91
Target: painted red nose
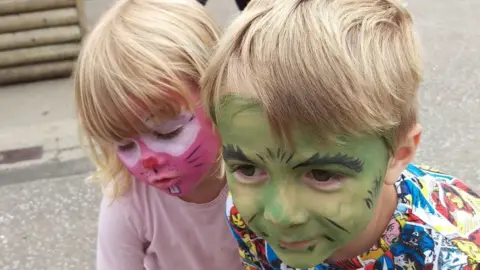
x=150 y=163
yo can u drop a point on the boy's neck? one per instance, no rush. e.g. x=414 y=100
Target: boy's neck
x=208 y=189
x=386 y=205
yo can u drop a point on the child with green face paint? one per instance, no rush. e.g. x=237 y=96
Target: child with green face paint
x=316 y=104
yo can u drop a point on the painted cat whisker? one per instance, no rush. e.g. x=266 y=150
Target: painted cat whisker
x=193 y=160
x=193 y=152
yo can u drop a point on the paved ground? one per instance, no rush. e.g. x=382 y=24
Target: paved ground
x=451 y=92
x=50 y=223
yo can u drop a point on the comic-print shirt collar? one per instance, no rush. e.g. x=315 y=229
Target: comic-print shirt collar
x=435 y=226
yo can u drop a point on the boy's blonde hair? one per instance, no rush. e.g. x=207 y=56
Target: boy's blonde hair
x=141 y=57
x=325 y=66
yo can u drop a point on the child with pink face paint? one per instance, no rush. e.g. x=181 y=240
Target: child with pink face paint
x=175 y=155
x=157 y=153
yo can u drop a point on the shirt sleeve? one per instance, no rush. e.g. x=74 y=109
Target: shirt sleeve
x=119 y=246
x=461 y=206
x=471 y=267
x=242 y=234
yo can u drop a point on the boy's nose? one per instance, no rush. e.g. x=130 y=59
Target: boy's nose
x=285 y=210
x=150 y=163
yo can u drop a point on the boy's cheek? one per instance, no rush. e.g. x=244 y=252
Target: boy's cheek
x=246 y=199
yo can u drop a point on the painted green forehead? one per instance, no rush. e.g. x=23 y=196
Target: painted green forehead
x=242 y=119
x=241 y=113
x=237 y=113
x=231 y=105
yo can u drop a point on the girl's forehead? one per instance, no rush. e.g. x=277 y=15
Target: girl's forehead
x=153 y=122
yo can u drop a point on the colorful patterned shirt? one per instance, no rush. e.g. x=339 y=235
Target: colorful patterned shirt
x=435 y=226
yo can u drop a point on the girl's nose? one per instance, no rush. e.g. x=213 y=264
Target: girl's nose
x=150 y=163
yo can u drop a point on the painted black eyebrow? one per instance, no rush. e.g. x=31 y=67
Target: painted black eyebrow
x=354 y=164
x=234 y=152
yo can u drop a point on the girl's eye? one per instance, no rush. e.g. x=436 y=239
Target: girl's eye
x=324 y=179
x=168 y=136
x=126 y=147
x=249 y=173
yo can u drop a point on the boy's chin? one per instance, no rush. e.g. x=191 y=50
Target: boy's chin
x=304 y=259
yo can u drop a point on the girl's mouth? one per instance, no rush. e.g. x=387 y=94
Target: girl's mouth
x=174 y=189
x=166 y=182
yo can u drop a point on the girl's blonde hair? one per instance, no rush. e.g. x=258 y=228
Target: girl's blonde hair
x=141 y=57
x=326 y=66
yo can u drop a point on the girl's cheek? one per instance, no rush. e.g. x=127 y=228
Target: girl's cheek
x=130 y=158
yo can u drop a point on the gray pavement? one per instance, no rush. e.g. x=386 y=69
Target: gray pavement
x=50 y=223
x=450 y=95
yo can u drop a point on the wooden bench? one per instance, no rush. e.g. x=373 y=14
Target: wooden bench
x=39 y=39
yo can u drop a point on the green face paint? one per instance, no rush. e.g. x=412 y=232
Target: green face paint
x=305 y=204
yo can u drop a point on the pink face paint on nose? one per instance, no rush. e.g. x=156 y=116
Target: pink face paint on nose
x=150 y=163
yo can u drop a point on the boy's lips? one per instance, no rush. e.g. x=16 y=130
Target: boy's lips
x=298 y=246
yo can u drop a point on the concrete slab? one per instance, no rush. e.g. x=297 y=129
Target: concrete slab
x=36 y=103
x=61 y=154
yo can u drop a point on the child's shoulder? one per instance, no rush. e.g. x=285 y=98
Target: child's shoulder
x=424 y=182
x=249 y=245
x=137 y=200
x=439 y=209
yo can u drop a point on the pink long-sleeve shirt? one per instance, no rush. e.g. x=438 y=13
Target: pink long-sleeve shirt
x=147 y=229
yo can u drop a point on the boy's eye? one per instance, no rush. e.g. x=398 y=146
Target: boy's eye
x=324 y=179
x=321 y=175
x=169 y=135
x=247 y=170
x=125 y=147
x=249 y=173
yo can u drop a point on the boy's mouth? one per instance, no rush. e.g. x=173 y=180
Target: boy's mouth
x=300 y=246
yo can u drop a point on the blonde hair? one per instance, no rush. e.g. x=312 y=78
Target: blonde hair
x=141 y=57
x=325 y=66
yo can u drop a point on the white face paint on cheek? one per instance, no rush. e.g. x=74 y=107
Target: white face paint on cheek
x=130 y=157
x=175 y=146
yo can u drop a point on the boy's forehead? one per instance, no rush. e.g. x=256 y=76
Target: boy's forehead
x=236 y=108
x=241 y=120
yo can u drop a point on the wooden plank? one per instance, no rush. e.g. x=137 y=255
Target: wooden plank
x=36 y=72
x=39 y=37
x=82 y=18
x=39 y=19
x=40 y=54
x=19 y=6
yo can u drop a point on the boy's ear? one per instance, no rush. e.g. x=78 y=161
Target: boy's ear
x=404 y=154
